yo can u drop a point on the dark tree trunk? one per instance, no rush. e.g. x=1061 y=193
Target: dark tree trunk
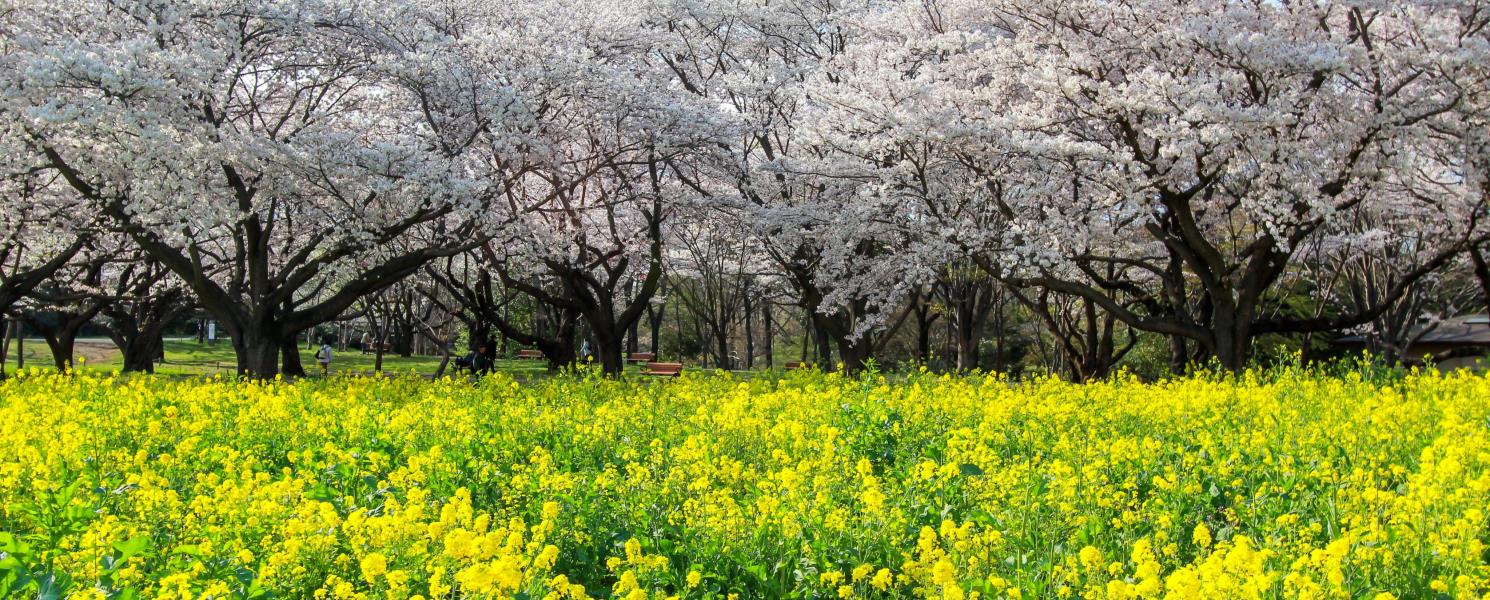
x=721 y=351
x=139 y=347
x=770 y=333
x=969 y=332
x=559 y=347
x=749 y=332
x=632 y=344
x=403 y=339
x=139 y=353
x=1481 y=271
x=1179 y=355
x=257 y=354
x=854 y=354
x=655 y=315
x=136 y=324
x=61 y=344
x=971 y=298
x=923 y=341
x=290 y=354
x=478 y=330
x=822 y=342
x=608 y=349
x=998 y=338
x=60 y=330
x=5 y=331
x=808 y=332
x=925 y=319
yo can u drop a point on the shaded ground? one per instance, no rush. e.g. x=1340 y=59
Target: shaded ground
x=187 y=357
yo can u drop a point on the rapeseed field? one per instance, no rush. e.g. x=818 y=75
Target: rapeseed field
x=1291 y=484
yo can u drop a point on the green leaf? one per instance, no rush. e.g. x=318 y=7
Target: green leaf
x=50 y=588
x=321 y=492
x=970 y=469
x=188 y=550
x=132 y=547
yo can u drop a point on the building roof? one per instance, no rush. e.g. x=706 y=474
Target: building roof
x=1469 y=330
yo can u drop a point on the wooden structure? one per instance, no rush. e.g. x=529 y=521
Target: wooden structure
x=662 y=369
x=794 y=365
x=530 y=354
x=1462 y=342
x=641 y=357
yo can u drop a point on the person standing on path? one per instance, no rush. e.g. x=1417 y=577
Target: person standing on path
x=323 y=356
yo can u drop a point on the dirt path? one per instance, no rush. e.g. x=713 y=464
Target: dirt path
x=96 y=351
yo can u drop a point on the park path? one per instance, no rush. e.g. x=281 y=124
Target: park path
x=96 y=351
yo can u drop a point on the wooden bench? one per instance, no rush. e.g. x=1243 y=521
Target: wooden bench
x=794 y=365
x=530 y=354
x=662 y=369
x=641 y=357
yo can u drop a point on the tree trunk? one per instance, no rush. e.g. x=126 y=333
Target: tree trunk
x=403 y=341
x=61 y=343
x=807 y=333
x=60 y=330
x=632 y=344
x=5 y=330
x=258 y=354
x=998 y=340
x=824 y=344
x=854 y=353
x=770 y=340
x=478 y=330
x=968 y=330
x=1231 y=349
x=721 y=350
x=608 y=339
x=749 y=333
x=925 y=320
x=608 y=349
x=1179 y=355
x=139 y=353
x=561 y=354
x=654 y=321
x=290 y=355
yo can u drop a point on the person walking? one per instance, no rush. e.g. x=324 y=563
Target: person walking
x=323 y=356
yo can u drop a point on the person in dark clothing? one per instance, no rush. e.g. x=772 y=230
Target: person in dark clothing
x=483 y=361
x=466 y=362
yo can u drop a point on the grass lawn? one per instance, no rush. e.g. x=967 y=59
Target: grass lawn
x=185 y=357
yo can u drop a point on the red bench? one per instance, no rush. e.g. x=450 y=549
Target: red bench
x=794 y=365
x=662 y=369
x=530 y=354
x=641 y=357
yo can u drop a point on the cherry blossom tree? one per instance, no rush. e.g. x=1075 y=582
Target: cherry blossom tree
x=1165 y=161
x=829 y=229
x=623 y=148
x=40 y=232
x=268 y=153
x=146 y=298
x=712 y=268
